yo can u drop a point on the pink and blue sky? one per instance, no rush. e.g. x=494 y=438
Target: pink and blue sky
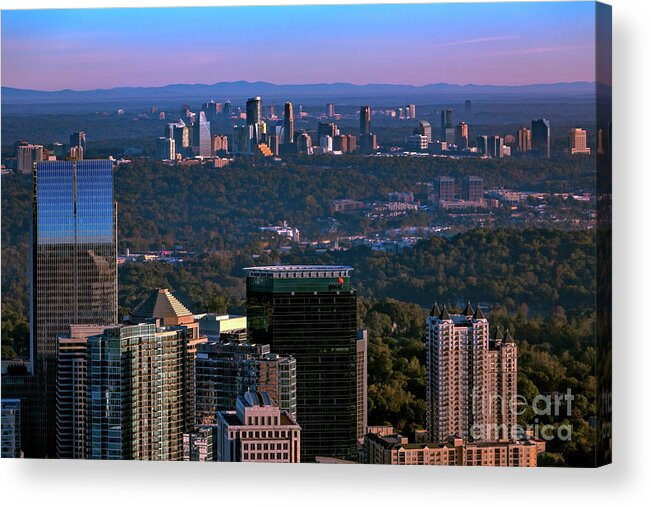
x=483 y=43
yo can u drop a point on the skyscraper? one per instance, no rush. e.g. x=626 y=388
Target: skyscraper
x=135 y=393
x=540 y=138
x=310 y=312
x=462 y=136
x=165 y=148
x=10 y=441
x=424 y=129
x=471 y=378
x=364 y=121
x=253 y=110
x=482 y=145
x=496 y=146
x=447 y=128
x=26 y=156
x=362 y=384
x=411 y=111
x=228 y=109
x=288 y=126
x=225 y=370
x=73 y=266
x=331 y=109
x=524 y=140
x=201 y=141
x=78 y=145
x=578 y=142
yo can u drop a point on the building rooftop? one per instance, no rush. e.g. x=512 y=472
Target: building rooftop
x=300 y=270
x=160 y=304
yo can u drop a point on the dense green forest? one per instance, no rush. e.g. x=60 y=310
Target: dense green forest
x=538 y=283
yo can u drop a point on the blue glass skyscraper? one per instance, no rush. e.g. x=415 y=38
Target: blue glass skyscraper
x=73 y=266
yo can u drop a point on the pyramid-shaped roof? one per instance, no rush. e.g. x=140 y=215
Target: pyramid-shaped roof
x=161 y=304
x=468 y=311
x=436 y=311
x=478 y=314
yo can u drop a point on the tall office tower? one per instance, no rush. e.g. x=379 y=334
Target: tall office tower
x=10 y=442
x=288 y=126
x=201 y=141
x=78 y=143
x=165 y=148
x=447 y=128
x=210 y=110
x=310 y=312
x=135 y=390
x=496 y=146
x=424 y=129
x=472 y=189
x=326 y=129
x=470 y=380
x=444 y=188
x=462 y=136
x=73 y=266
x=253 y=110
x=540 y=138
x=578 y=142
x=362 y=384
x=482 y=145
x=524 y=140
x=326 y=144
x=467 y=106
x=26 y=156
x=242 y=139
x=352 y=143
x=257 y=431
x=364 y=121
x=180 y=132
x=331 y=109
x=162 y=306
x=274 y=144
x=225 y=370
x=227 y=110
x=411 y=111
x=71 y=391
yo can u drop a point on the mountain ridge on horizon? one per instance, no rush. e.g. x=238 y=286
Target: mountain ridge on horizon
x=240 y=89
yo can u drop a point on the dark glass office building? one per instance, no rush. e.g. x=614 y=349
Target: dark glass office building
x=540 y=138
x=310 y=312
x=73 y=267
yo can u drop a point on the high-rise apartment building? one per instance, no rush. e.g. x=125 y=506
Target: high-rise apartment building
x=219 y=144
x=73 y=266
x=362 y=384
x=310 y=312
x=472 y=189
x=578 y=141
x=331 y=109
x=410 y=110
x=257 y=431
x=462 y=136
x=26 y=156
x=471 y=378
x=226 y=370
x=71 y=392
x=135 y=393
x=541 y=138
x=198 y=444
x=496 y=146
x=524 y=140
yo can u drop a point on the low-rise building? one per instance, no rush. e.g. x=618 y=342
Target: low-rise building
x=257 y=431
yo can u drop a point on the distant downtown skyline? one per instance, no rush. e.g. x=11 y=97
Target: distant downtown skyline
x=489 y=43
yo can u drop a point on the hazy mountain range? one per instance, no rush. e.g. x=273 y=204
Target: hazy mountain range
x=240 y=89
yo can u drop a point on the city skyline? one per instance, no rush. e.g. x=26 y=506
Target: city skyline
x=498 y=44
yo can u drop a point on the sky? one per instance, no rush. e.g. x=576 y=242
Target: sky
x=485 y=43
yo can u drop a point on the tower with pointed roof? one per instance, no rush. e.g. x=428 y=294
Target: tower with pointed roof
x=471 y=377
